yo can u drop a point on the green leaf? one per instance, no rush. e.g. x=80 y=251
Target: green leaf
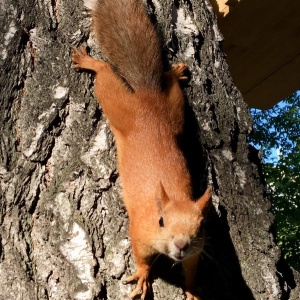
x=279 y=128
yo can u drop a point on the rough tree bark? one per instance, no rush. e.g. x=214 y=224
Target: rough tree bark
x=63 y=224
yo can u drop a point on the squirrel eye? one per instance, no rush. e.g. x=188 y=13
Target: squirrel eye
x=161 y=222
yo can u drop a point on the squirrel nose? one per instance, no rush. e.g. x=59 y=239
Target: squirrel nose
x=181 y=244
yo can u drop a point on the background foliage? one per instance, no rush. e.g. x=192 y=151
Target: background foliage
x=279 y=128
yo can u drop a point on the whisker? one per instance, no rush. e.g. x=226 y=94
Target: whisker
x=205 y=253
x=155 y=259
x=175 y=263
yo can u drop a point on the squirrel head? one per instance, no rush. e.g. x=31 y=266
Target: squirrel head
x=181 y=232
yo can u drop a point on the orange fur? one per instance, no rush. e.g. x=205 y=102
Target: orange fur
x=146 y=123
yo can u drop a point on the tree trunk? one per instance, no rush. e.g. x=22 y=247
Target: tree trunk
x=63 y=223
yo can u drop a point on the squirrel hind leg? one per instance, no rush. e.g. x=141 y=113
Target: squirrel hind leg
x=84 y=61
x=179 y=71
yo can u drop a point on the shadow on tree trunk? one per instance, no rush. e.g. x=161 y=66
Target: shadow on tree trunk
x=220 y=271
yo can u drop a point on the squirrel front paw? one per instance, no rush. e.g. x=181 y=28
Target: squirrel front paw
x=142 y=283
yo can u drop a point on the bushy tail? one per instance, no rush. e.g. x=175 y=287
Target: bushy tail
x=128 y=40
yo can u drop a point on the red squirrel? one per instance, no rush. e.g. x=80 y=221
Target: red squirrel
x=145 y=109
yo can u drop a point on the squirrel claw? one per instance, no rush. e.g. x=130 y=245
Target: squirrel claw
x=142 y=284
x=82 y=60
x=179 y=70
x=77 y=56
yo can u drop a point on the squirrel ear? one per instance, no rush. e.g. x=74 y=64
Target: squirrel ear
x=162 y=198
x=204 y=202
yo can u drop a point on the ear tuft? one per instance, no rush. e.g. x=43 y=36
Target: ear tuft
x=204 y=202
x=161 y=196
